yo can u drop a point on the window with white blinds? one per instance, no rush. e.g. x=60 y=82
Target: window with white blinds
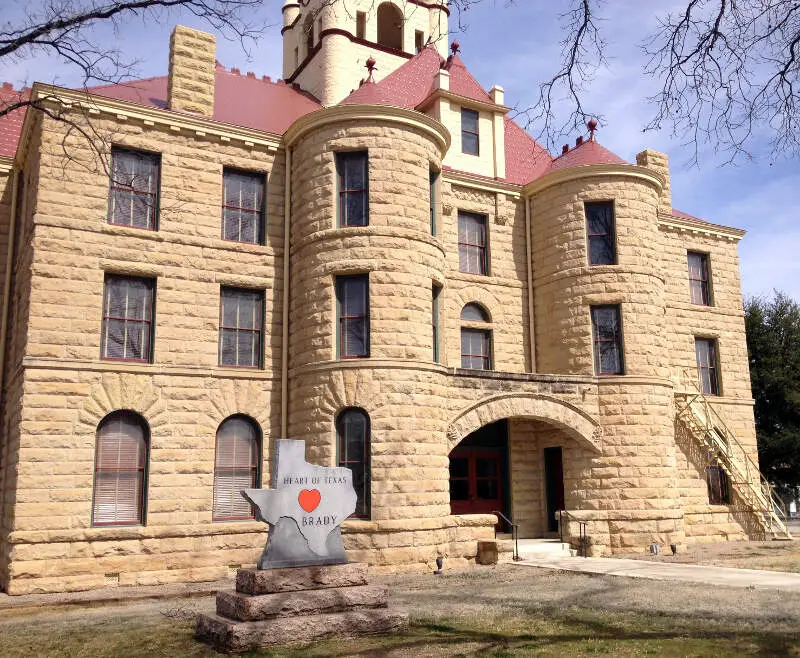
x=235 y=468
x=127 y=319
x=134 y=189
x=243 y=207
x=241 y=327
x=120 y=472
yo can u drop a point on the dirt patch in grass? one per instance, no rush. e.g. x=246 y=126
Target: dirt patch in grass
x=768 y=556
x=498 y=612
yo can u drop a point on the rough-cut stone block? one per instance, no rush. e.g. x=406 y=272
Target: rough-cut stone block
x=245 y=607
x=254 y=581
x=233 y=636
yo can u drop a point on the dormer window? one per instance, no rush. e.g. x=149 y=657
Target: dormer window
x=470 y=138
x=390 y=26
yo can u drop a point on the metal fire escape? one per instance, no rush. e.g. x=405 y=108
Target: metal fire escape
x=720 y=444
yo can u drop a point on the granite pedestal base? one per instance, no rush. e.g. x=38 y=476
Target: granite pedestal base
x=301 y=604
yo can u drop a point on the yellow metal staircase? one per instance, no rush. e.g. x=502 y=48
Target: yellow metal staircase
x=707 y=427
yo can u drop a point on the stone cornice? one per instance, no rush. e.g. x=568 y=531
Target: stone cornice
x=688 y=226
x=477 y=182
x=593 y=171
x=181 y=123
x=486 y=106
x=351 y=113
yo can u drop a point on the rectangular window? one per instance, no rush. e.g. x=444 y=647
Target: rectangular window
x=243 y=206
x=601 y=232
x=706 y=351
x=435 y=320
x=127 y=330
x=476 y=349
x=434 y=178
x=607 y=335
x=699 y=280
x=353 y=178
x=472 y=243
x=470 y=139
x=717 y=481
x=352 y=302
x=419 y=40
x=241 y=328
x=134 y=189
x=361 y=25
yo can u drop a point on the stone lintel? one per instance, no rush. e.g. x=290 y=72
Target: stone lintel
x=271 y=581
x=238 y=636
x=246 y=607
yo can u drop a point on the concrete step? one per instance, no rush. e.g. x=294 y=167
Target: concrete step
x=544 y=548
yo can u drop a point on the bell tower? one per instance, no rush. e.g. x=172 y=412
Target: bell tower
x=326 y=43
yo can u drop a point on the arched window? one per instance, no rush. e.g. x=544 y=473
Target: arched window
x=236 y=467
x=120 y=470
x=308 y=33
x=476 y=342
x=390 y=26
x=352 y=429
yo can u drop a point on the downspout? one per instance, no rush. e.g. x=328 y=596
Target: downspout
x=12 y=226
x=287 y=209
x=528 y=250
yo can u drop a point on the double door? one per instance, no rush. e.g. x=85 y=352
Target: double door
x=476 y=482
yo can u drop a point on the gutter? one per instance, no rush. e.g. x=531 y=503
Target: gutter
x=287 y=209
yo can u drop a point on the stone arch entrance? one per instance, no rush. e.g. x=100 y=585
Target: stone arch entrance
x=522 y=455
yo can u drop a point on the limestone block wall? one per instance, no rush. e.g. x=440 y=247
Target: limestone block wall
x=6 y=187
x=65 y=389
x=566 y=285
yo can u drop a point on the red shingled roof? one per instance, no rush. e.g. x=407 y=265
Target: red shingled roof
x=11 y=123
x=588 y=153
x=241 y=100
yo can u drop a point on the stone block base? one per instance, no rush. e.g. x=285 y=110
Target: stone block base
x=287 y=606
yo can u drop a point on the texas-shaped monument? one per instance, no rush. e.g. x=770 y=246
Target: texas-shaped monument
x=304 y=509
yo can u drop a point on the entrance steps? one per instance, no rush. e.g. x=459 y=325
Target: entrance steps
x=542 y=549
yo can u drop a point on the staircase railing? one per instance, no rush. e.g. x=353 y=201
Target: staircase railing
x=706 y=425
x=514 y=535
x=583 y=531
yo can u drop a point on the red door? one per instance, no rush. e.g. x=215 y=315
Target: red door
x=475 y=482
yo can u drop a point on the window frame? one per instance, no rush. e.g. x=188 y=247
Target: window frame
x=262 y=212
x=223 y=328
x=476 y=133
x=714 y=368
x=612 y=234
x=151 y=322
x=256 y=479
x=338 y=422
x=341 y=157
x=721 y=486
x=436 y=291
x=145 y=469
x=339 y=282
x=618 y=340
x=156 y=195
x=419 y=41
x=484 y=261
x=487 y=341
x=704 y=284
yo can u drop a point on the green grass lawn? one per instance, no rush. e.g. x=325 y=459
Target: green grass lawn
x=569 y=632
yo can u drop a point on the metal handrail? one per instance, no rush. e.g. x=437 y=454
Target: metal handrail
x=727 y=444
x=583 y=530
x=514 y=535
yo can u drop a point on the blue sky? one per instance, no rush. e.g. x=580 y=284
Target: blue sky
x=517 y=46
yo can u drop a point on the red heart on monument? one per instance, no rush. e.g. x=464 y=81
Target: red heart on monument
x=309 y=500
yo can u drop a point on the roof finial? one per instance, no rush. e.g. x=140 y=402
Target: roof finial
x=455 y=47
x=371 y=68
x=592 y=126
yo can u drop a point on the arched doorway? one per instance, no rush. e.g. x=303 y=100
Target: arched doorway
x=390 y=26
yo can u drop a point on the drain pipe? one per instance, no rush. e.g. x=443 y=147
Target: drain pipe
x=287 y=209
x=12 y=226
x=529 y=250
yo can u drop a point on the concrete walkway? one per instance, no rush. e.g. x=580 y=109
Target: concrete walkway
x=686 y=573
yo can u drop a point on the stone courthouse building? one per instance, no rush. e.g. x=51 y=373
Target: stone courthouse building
x=370 y=255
